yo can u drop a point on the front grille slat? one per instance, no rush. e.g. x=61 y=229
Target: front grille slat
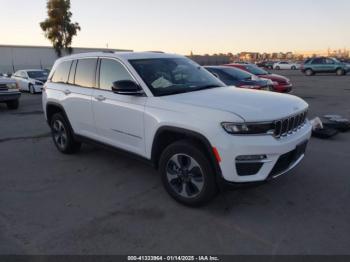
x=290 y=125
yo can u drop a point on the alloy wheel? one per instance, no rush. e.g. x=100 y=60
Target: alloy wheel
x=185 y=176
x=60 y=134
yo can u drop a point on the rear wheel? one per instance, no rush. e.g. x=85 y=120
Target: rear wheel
x=294 y=68
x=63 y=136
x=187 y=174
x=340 y=72
x=13 y=105
x=309 y=72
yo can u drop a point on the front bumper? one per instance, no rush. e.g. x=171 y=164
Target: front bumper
x=38 y=88
x=281 y=155
x=9 y=96
x=283 y=88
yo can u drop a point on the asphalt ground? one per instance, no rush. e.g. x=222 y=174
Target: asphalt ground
x=101 y=202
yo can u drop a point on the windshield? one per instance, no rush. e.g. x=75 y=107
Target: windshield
x=167 y=76
x=237 y=73
x=37 y=74
x=256 y=70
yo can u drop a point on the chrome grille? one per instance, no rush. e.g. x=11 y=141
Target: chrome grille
x=289 y=125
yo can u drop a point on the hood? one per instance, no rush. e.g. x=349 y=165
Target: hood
x=276 y=78
x=251 y=105
x=4 y=80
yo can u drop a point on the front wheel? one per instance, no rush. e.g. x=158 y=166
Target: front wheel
x=340 y=72
x=278 y=68
x=294 y=68
x=63 y=136
x=187 y=174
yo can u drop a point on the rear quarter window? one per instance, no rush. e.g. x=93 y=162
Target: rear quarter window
x=62 y=72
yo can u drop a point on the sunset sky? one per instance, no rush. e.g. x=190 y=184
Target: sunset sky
x=182 y=26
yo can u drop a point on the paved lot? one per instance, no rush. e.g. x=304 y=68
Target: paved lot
x=100 y=202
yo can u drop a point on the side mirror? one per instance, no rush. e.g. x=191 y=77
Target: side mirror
x=216 y=75
x=127 y=87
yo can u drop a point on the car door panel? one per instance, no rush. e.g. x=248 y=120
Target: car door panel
x=119 y=119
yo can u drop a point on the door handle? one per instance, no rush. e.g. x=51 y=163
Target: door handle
x=67 y=92
x=100 y=98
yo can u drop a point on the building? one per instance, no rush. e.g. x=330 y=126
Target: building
x=13 y=58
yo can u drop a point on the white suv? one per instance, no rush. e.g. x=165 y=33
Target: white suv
x=167 y=109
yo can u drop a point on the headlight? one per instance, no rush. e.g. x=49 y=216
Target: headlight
x=12 y=86
x=248 y=128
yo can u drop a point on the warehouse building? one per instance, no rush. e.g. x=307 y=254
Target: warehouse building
x=13 y=58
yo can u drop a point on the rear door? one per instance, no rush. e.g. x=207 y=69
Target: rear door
x=119 y=118
x=75 y=79
x=318 y=65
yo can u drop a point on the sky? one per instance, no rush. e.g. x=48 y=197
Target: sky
x=182 y=26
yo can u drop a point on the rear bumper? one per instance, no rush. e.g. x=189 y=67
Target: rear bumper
x=9 y=96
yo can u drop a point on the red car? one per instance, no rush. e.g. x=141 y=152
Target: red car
x=281 y=84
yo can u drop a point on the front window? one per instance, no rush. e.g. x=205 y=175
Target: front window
x=37 y=74
x=167 y=76
x=256 y=70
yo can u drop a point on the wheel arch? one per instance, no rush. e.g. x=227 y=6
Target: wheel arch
x=167 y=135
x=53 y=108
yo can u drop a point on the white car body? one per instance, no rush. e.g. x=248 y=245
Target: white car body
x=286 y=66
x=131 y=123
x=25 y=82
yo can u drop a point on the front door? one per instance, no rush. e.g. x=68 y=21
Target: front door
x=119 y=118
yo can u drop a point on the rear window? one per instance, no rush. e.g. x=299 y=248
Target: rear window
x=85 y=72
x=62 y=72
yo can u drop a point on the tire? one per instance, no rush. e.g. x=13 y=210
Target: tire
x=31 y=89
x=191 y=187
x=340 y=72
x=62 y=135
x=294 y=68
x=13 y=105
x=278 y=68
x=309 y=72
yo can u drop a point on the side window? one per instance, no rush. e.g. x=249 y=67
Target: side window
x=329 y=61
x=85 y=72
x=317 y=61
x=112 y=71
x=72 y=73
x=23 y=74
x=62 y=72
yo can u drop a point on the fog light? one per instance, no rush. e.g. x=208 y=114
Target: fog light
x=251 y=158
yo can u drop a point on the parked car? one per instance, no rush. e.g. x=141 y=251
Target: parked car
x=286 y=65
x=9 y=93
x=281 y=84
x=324 y=65
x=266 y=64
x=167 y=109
x=31 y=80
x=239 y=78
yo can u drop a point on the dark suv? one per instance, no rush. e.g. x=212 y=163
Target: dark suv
x=324 y=65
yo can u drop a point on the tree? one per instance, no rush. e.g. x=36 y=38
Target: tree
x=58 y=27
